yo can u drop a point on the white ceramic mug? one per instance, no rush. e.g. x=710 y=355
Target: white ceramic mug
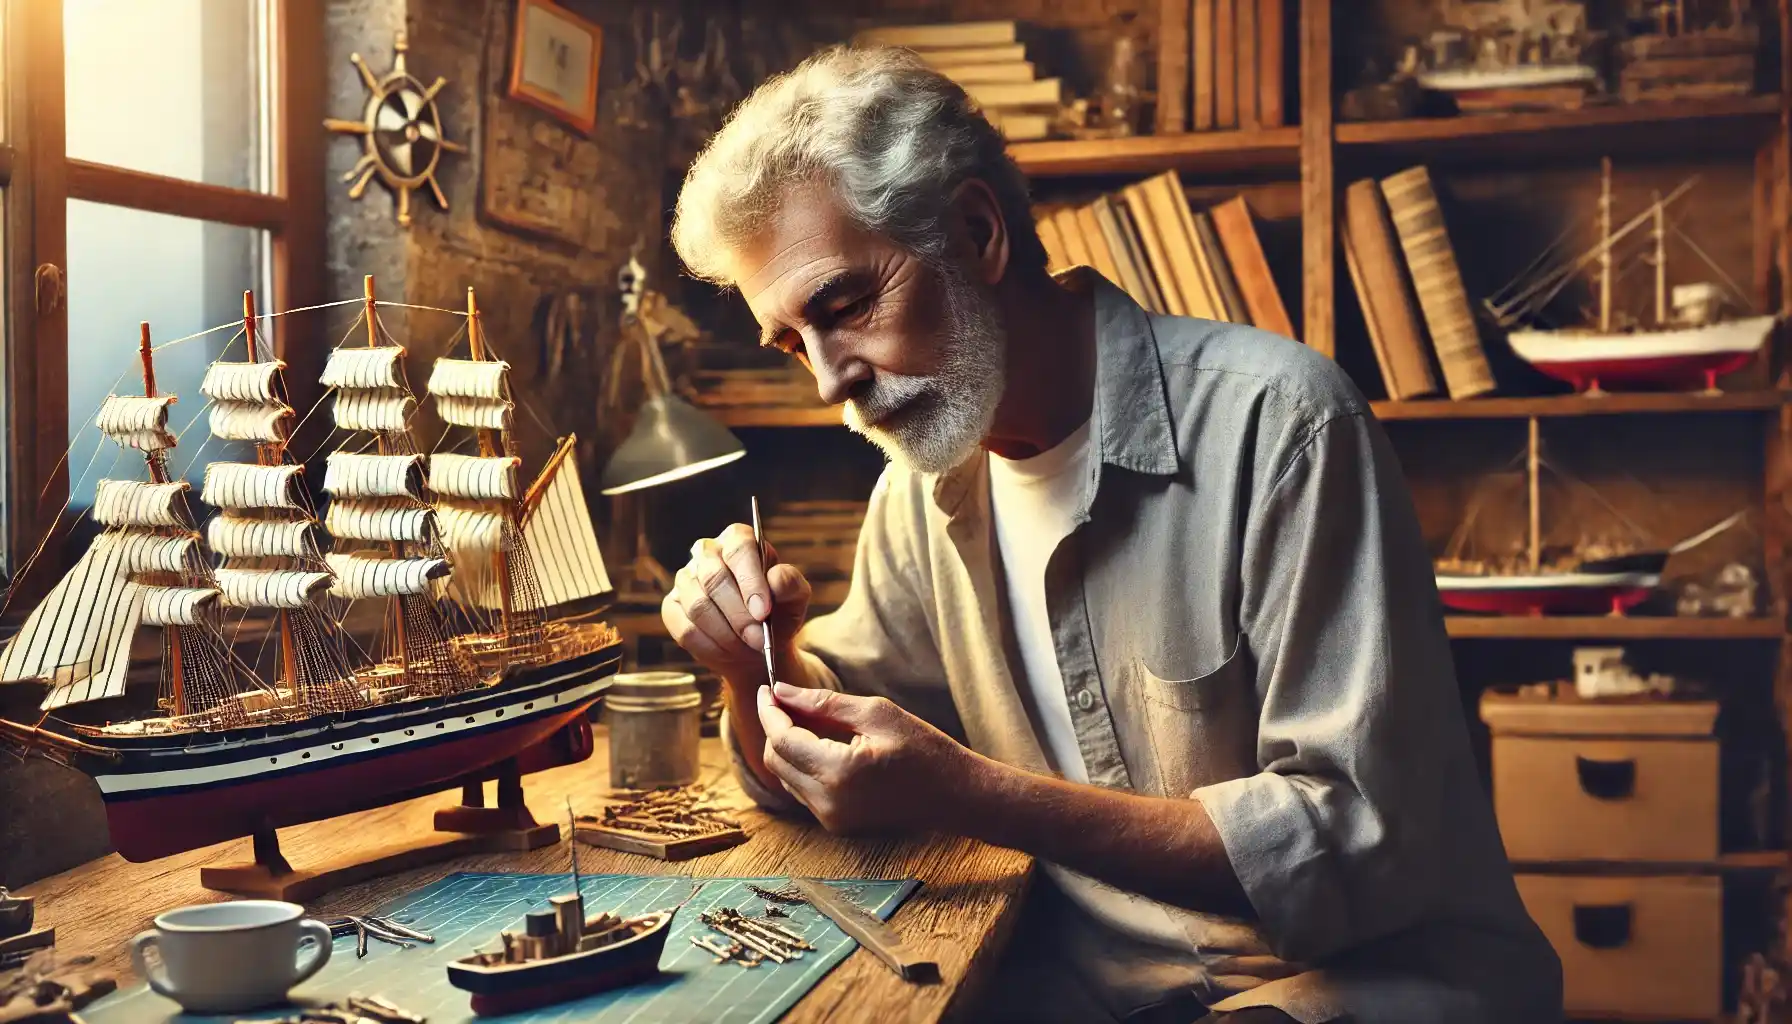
x=230 y=957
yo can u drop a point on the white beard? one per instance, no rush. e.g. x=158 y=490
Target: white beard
x=933 y=423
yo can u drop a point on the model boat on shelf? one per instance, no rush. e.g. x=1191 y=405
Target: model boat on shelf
x=485 y=661
x=1562 y=593
x=1688 y=342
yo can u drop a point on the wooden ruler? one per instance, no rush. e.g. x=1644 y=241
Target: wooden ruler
x=871 y=933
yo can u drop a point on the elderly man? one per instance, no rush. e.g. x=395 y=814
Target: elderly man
x=1141 y=596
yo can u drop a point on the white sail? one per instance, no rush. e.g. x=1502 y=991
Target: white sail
x=241 y=485
x=78 y=637
x=242 y=382
x=245 y=421
x=136 y=422
x=480 y=413
x=470 y=532
x=143 y=551
x=270 y=588
x=361 y=575
x=235 y=535
x=379 y=519
x=481 y=478
x=374 y=476
x=470 y=378
x=373 y=410
x=561 y=540
x=175 y=606
x=363 y=368
x=133 y=503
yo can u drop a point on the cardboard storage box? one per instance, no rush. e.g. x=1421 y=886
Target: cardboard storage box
x=1578 y=780
x=1644 y=947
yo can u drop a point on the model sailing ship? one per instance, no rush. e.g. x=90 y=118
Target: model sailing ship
x=483 y=659
x=1696 y=341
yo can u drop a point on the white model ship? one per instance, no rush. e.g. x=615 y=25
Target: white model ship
x=1693 y=342
x=487 y=656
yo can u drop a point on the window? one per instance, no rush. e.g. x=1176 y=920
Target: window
x=158 y=159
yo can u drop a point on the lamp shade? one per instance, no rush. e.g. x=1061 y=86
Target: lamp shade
x=672 y=440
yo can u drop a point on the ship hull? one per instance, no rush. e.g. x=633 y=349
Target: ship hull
x=166 y=795
x=1688 y=358
x=1546 y=594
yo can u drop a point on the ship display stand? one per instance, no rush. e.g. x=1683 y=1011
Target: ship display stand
x=485 y=667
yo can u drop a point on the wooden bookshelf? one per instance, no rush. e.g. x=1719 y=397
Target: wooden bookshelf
x=1611 y=404
x=1736 y=124
x=1612 y=627
x=1141 y=155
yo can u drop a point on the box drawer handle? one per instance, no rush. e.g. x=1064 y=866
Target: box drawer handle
x=1606 y=780
x=1602 y=927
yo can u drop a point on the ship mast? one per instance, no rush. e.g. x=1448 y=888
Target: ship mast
x=397 y=546
x=272 y=453
x=490 y=447
x=1605 y=240
x=158 y=473
x=1661 y=260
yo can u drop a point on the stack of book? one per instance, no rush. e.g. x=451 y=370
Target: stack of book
x=1170 y=258
x=1220 y=65
x=1407 y=281
x=989 y=61
x=822 y=537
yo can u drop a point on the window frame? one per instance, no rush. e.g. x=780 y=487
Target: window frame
x=39 y=179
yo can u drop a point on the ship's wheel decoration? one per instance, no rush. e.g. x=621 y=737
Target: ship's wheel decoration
x=402 y=133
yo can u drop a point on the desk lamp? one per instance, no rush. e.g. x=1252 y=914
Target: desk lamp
x=671 y=440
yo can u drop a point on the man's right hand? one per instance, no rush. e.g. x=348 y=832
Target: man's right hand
x=720 y=597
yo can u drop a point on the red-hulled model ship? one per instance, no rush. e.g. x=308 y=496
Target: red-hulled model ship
x=484 y=669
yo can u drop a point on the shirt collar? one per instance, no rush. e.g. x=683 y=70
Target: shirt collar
x=1130 y=420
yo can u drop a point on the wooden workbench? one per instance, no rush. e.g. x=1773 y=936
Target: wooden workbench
x=969 y=897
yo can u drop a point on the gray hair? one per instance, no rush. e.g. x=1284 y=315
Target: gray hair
x=890 y=136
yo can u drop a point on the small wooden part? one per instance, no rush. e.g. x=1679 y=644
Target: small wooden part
x=1532 y=465
x=658 y=847
x=875 y=935
x=43 y=938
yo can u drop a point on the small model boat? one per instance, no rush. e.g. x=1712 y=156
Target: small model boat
x=547 y=965
x=15 y=914
x=561 y=954
x=1693 y=340
x=1558 y=593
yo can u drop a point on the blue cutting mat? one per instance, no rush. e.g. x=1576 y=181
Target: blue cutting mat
x=467 y=910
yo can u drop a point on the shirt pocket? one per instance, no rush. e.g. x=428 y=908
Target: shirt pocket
x=1203 y=729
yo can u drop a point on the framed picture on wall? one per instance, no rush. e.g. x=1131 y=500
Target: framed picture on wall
x=554 y=60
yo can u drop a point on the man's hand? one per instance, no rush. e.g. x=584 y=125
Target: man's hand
x=720 y=598
x=860 y=764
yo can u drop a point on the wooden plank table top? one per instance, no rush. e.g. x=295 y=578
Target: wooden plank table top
x=969 y=898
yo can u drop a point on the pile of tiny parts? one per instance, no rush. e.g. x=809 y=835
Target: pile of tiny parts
x=356 y=1010
x=752 y=940
x=361 y=926
x=677 y=811
x=789 y=893
x=49 y=989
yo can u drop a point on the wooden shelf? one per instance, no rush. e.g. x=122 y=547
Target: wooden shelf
x=1581 y=405
x=1143 y=155
x=778 y=416
x=1739 y=861
x=1665 y=129
x=1615 y=627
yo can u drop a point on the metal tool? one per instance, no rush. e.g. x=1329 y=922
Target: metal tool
x=873 y=934
x=771 y=675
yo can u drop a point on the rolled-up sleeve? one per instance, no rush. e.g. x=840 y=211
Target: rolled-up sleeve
x=1360 y=733
x=879 y=641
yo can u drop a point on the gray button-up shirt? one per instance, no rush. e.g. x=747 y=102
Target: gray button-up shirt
x=1244 y=615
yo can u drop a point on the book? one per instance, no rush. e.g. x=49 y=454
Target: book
x=1425 y=242
x=944 y=57
x=1201 y=28
x=1271 y=40
x=1018 y=126
x=1225 y=64
x=1173 y=52
x=979 y=74
x=1391 y=313
x=1220 y=269
x=1247 y=64
x=939 y=36
x=1244 y=252
x=1043 y=92
x=1158 y=238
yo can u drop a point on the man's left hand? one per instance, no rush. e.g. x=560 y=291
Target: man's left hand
x=861 y=765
